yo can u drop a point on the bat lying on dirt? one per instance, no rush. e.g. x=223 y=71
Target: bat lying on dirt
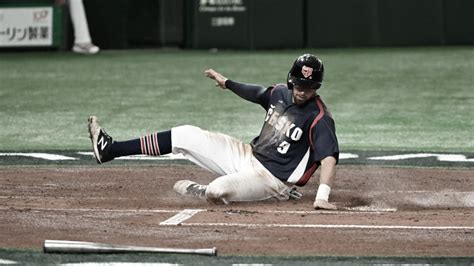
x=63 y=246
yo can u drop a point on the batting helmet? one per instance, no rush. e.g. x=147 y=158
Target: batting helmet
x=307 y=70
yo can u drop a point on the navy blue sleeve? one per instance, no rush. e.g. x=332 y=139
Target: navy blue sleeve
x=249 y=92
x=324 y=140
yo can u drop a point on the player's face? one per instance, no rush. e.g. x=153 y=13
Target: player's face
x=302 y=94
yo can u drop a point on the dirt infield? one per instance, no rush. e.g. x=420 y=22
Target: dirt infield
x=383 y=211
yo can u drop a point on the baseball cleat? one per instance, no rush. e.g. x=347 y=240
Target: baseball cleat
x=323 y=204
x=190 y=188
x=85 y=48
x=101 y=141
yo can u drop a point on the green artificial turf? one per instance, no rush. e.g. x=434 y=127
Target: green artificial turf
x=381 y=98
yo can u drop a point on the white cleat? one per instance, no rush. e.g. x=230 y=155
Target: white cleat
x=190 y=188
x=85 y=48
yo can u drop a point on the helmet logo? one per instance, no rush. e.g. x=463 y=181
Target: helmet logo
x=307 y=72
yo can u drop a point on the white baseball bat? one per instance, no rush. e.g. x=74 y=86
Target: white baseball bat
x=64 y=246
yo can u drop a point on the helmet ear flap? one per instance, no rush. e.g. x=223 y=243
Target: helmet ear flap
x=289 y=81
x=316 y=86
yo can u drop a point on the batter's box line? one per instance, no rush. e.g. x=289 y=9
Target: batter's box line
x=181 y=216
x=342 y=210
x=186 y=214
x=334 y=226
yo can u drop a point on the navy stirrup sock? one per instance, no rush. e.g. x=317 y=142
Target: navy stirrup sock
x=154 y=144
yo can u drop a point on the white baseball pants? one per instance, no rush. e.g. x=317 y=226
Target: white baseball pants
x=242 y=176
x=79 y=22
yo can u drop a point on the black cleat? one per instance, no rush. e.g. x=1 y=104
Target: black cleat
x=101 y=141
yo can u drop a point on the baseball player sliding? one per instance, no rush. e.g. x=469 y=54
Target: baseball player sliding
x=298 y=136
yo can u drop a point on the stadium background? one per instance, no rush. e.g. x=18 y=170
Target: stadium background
x=417 y=51
x=272 y=24
x=280 y=24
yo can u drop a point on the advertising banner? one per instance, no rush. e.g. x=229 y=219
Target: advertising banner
x=26 y=26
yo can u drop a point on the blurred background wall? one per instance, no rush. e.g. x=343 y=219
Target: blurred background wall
x=273 y=24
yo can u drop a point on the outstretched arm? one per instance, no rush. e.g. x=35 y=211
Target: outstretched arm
x=249 y=92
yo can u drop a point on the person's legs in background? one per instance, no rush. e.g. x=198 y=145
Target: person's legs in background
x=82 y=39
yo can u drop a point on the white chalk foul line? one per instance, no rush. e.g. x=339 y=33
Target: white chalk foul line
x=342 y=156
x=39 y=155
x=89 y=210
x=439 y=157
x=337 y=226
x=142 y=157
x=181 y=217
x=4 y=261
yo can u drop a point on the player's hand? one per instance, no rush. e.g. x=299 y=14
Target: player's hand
x=60 y=2
x=218 y=77
x=293 y=194
x=323 y=204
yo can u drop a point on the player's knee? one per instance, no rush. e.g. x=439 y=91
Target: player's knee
x=183 y=138
x=186 y=130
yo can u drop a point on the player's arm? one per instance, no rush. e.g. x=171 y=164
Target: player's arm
x=326 y=152
x=249 y=92
x=326 y=180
